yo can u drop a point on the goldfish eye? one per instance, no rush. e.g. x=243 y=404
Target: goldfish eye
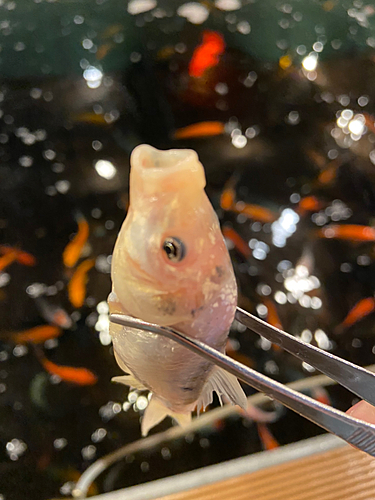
x=174 y=249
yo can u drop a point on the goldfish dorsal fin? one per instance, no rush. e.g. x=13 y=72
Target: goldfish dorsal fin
x=130 y=381
x=153 y=415
x=224 y=384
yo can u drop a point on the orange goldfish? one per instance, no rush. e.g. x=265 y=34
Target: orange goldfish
x=207 y=54
x=273 y=319
x=8 y=259
x=228 y=197
x=369 y=122
x=350 y=232
x=170 y=266
x=328 y=175
x=254 y=212
x=73 y=249
x=91 y=118
x=238 y=356
x=103 y=50
x=12 y=254
x=272 y=316
x=267 y=439
x=36 y=335
x=309 y=204
x=321 y=395
x=362 y=309
x=202 y=129
x=228 y=202
x=53 y=313
x=77 y=283
x=70 y=374
x=239 y=244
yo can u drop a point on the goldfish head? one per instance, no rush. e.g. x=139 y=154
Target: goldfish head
x=170 y=260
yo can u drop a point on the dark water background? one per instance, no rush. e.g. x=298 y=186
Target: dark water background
x=86 y=81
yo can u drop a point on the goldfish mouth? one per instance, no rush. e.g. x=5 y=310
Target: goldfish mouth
x=151 y=158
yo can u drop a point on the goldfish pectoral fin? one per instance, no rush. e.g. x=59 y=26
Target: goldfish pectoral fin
x=130 y=381
x=114 y=303
x=153 y=415
x=119 y=361
x=206 y=397
x=183 y=419
x=225 y=385
x=156 y=411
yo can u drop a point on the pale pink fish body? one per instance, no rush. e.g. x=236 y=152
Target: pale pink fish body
x=170 y=266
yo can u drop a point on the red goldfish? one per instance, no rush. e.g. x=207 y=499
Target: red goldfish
x=207 y=54
x=13 y=254
x=267 y=439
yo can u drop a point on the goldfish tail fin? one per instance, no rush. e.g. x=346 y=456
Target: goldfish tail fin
x=225 y=385
x=156 y=411
x=130 y=381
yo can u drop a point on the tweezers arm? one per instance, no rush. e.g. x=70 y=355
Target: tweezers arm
x=355 y=378
x=354 y=431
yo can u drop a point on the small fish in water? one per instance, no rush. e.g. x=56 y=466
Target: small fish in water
x=73 y=250
x=8 y=259
x=321 y=394
x=70 y=374
x=329 y=174
x=362 y=309
x=202 y=129
x=228 y=196
x=53 y=313
x=104 y=49
x=239 y=244
x=207 y=54
x=273 y=319
x=272 y=315
x=349 y=232
x=309 y=204
x=13 y=254
x=256 y=212
x=90 y=118
x=170 y=266
x=77 y=283
x=36 y=335
x=268 y=440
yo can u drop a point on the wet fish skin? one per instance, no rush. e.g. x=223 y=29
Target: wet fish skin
x=195 y=294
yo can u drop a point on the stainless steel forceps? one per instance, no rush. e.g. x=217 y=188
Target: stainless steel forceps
x=358 y=380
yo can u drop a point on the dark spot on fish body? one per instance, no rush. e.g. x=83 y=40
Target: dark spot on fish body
x=167 y=306
x=187 y=389
x=219 y=271
x=193 y=312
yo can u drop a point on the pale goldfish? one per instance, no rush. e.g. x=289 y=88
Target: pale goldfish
x=170 y=266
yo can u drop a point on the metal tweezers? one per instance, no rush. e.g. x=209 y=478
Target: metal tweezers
x=356 y=379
